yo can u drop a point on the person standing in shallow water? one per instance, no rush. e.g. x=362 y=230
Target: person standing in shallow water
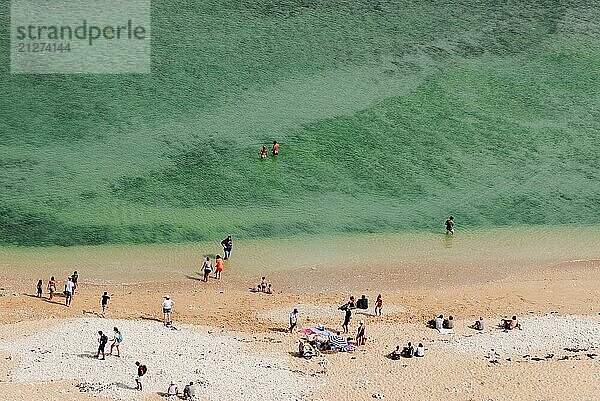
x=450 y=225
x=275 y=148
x=227 y=245
x=263 y=153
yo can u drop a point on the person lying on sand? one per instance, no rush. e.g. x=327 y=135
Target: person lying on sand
x=509 y=324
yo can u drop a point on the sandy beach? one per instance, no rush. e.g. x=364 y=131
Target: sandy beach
x=233 y=343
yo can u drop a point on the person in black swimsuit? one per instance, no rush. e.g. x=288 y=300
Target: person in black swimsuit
x=450 y=225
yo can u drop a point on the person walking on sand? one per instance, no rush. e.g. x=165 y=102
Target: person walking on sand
x=116 y=342
x=450 y=225
x=378 y=305
x=69 y=291
x=293 y=319
x=347 y=317
x=167 y=306
x=263 y=153
x=275 y=148
x=40 y=284
x=360 y=333
x=102 y=340
x=206 y=268
x=227 y=245
x=51 y=287
x=141 y=371
x=104 y=303
x=74 y=279
x=218 y=267
x=172 y=391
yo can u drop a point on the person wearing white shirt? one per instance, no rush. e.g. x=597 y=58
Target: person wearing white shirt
x=69 y=286
x=167 y=306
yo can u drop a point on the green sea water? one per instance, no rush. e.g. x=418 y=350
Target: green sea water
x=391 y=116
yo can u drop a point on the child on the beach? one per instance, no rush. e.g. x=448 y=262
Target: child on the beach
x=116 y=342
x=263 y=153
x=263 y=284
x=39 y=288
x=104 y=303
x=51 y=287
x=219 y=267
x=378 y=305
x=269 y=289
x=207 y=268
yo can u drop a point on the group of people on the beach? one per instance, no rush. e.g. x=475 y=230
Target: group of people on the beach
x=264 y=286
x=274 y=151
x=69 y=291
x=103 y=340
x=207 y=265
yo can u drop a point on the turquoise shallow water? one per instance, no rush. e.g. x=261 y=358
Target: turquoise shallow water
x=391 y=117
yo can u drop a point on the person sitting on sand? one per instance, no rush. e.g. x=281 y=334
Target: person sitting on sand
x=167 y=306
x=104 y=303
x=219 y=267
x=206 y=268
x=378 y=305
x=102 y=340
x=269 y=289
x=275 y=148
x=293 y=319
x=360 y=334
x=263 y=284
x=351 y=302
x=420 y=350
x=39 y=288
x=449 y=323
x=116 y=342
x=449 y=225
x=263 y=153
x=439 y=322
x=51 y=287
x=189 y=392
x=408 y=351
x=396 y=354
x=478 y=325
x=510 y=324
x=172 y=391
